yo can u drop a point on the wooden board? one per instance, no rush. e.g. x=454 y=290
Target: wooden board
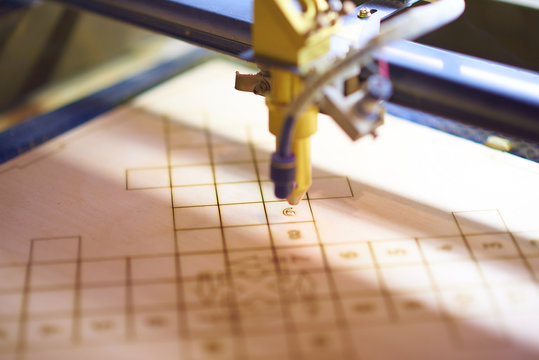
x=152 y=231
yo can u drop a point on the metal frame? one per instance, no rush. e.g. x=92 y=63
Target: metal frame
x=444 y=83
x=479 y=98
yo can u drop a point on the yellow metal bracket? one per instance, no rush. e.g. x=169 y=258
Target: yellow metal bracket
x=296 y=36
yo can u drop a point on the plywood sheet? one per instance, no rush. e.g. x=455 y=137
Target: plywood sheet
x=152 y=232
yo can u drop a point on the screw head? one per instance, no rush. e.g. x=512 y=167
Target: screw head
x=364 y=13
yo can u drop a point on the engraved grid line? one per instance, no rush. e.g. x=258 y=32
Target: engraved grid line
x=130 y=282
x=290 y=328
x=200 y=252
x=485 y=284
x=183 y=326
x=344 y=329
x=519 y=249
x=190 y=279
x=388 y=301
x=23 y=318
x=129 y=310
x=76 y=332
x=235 y=316
x=437 y=292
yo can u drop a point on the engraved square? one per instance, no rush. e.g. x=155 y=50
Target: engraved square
x=243 y=214
x=154 y=295
x=196 y=217
x=10 y=305
x=300 y=258
x=466 y=303
x=492 y=245
x=47 y=275
x=157 y=325
x=103 y=298
x=314 y=313
x=357 y=282
x=192 y=175
x=49 y=332
x=274 y=345
x=199 y=240
x=332 y=187
x=194 y=195
x=276 y=212
x=235 y=173
x=528 y=241
x=320 y=344
x=296 y=234
x=417 y=307
x=444 y=249
x=103 y=272
x=47 y=302
x=349 y=256
x=505 y=271
x=12 y=277
x=239 y=193
x=406 y=278
x=153 y=268
x=103 y=328
x=194 y=265
x=396 y=252
x=456 y=274
x=247 y=237
x=361 y=311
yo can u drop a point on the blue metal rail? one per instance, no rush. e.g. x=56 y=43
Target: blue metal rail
x=444 y=83
x=31 y=133
x=473 y=91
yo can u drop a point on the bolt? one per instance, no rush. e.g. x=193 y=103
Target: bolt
x=364 y=13
x=261 y=88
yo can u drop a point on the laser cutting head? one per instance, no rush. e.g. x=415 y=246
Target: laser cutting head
x=311 y=53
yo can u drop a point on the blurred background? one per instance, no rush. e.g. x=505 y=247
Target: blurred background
x=52 y=54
